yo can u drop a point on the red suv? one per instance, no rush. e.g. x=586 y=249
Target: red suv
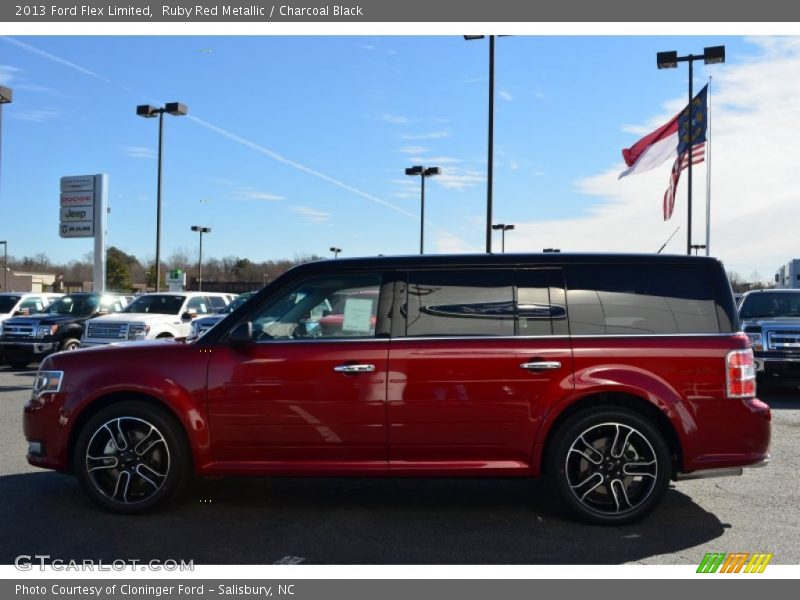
x=607 y=374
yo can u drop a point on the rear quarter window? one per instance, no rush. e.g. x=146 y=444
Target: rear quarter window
x=624 y=299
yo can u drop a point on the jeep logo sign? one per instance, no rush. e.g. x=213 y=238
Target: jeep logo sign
x=78 y=213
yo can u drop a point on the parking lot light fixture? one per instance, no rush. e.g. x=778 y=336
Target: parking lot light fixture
x=149 y=112
x=335 y=251
x=502 y=227
x=669 y=60
x=422 y=172
x=201 y=231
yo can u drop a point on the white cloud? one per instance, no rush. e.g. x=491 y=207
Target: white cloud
x=248 y=193
x=437 y=160
x=395 y=119
x=37 y=115
x=504 y=95
x=413 y=149
x=458 y=179
x=755 y=181
x=431 y=135
x=138 y=152
x=311 y=215
x=8 y=73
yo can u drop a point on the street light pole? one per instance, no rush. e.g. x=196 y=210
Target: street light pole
x=669 y=60
x=202 y=230
x=490 y=150
x=423 y=173
x=6 y=96
x=145 y=110
x=335 y=251
x=5 y=265
x=502 y=227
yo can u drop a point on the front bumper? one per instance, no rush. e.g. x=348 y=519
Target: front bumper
x=28 y=349
x=778 y=364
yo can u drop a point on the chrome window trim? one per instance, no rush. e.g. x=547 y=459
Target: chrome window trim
x=497 y=337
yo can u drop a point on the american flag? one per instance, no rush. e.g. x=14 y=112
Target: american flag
x=681 y=163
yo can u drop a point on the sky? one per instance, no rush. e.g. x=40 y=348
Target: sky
x=295 y=144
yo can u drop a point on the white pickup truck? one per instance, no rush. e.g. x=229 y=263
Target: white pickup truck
x=161 y=315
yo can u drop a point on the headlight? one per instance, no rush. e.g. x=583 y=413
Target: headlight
x=43 y=330
x=47 y=382
x=138 y=332
x=756 y=338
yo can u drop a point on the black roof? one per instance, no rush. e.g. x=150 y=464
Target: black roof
x=508 y=259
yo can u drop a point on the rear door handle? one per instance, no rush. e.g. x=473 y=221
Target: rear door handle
x=354 y=368
x=542 y=365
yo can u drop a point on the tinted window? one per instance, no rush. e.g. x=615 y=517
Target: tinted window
x=217 y=302
x=74 y=305
x=156 y=303
x=541 y=305
x=763 y=305
x=474 y=302
x=7 y=303
x=641 y=299
x=344 y=306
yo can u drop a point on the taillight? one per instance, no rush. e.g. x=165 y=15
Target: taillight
x=740 y=374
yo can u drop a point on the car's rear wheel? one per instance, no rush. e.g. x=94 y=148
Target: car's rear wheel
x=131 y=457
x=609 y=465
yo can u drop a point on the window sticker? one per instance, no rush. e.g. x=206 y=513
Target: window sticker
x=357 y=315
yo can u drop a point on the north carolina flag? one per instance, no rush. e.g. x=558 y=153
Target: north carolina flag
x=669 y=140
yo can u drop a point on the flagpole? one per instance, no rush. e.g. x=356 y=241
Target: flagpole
x=708 y=169
x=691 y=140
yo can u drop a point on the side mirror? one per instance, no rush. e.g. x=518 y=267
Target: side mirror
x=189 y=315
x=242 y=333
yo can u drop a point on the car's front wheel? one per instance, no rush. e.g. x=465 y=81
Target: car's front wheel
x=131 y=457
x=609 y=465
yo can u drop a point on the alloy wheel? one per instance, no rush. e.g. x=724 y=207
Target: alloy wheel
x=127 y=460
x=611 y=468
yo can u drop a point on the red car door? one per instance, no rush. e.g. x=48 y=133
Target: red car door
x=478 y=364
x=300 y=397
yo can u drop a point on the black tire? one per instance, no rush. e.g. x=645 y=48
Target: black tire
x=69 y=344
x=601 y=479
x=131 y=480
x=18 y=364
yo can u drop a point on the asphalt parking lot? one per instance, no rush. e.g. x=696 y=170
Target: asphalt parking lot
x=383 y=521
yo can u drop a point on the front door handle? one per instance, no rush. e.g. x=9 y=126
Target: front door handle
x=542 y=365
x=354 y=368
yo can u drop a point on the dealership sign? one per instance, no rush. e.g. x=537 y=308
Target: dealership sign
x=77 y=229
x=82 y=214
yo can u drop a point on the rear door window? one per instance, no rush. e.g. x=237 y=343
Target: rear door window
x=459 y=303
x=608 y=299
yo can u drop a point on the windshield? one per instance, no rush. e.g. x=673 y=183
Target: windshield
x=7 y=303
x=770 y=305
x=80 y=306
x=160 y=304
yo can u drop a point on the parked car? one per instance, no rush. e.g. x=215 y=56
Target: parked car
x=22 y=303
x=201 y=325
x=57 y=327
x=164 y=315
x=771 y=319
x=608 y=375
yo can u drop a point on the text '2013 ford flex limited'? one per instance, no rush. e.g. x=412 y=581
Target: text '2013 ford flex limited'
x=609 y=375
